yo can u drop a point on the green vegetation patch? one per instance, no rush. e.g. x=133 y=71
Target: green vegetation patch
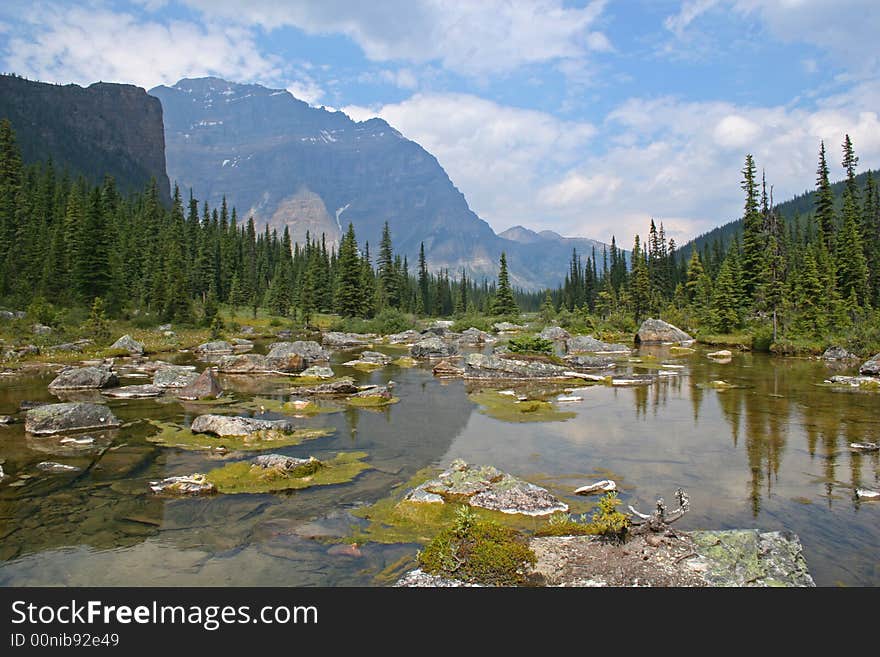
x=172 y=435
x=480 y=551
x=530 y=344
x=371 y=401
x=606 y=521
x=405 y=362
x=302 y=407
x=245 y=477
x=508 y=409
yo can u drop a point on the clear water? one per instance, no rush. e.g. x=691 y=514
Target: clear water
x=771 y=454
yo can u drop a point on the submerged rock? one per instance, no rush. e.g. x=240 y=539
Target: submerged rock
x=338 y=340
x=206 y=386
x=720 y=354
x=481 y=366
x=230 y=425
x=174 y=376
x=433 y=348
x=71 y=416
x=554 y=333
x=195 y=484
x=134 y=392
x=81 y=378
x=244 y=364
x=837 y=353
x=656 y=331
x=370 y=359
x=488 y=488
x=129 y=344
x=57 y=468
x=588 y=344
x=871 y=367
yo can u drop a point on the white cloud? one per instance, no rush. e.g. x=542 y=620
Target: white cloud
x=306 y=89
x=689 y=12
x=76 y=44
x=471 y=38
x=735 y=131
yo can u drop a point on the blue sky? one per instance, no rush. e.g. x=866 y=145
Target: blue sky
x=587 y=118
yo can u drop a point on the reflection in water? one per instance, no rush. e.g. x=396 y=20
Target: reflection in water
x=771 y=451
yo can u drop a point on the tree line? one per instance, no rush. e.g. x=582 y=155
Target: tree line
x=68 y=242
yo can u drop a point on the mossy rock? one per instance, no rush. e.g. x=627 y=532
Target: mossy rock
x=475 y=550
x=371 y=401
x=245 y=477
x=509 y=409
x=172 y=435
x=681 y=351
x=292 y=408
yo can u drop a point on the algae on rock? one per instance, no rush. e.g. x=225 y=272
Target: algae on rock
x=253 y=477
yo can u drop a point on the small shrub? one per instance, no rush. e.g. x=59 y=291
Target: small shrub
x=96 y=326
x=608 y=522
x=217 y=328
x=762 y=338
x=530 y=343
x=42 y=311
x=478 y=551
x=391 y=321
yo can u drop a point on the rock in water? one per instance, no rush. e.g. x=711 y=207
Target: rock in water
x=81 y=378
x=195 y=484
x=867 y=494
x=227 y=425
x=343 y=386
x=318 y=372
x=837 y=353
x=244 y=364
x=134 y=392
x=604 y=486
x=871 y=367
x=480 y=366
x=56 y=468
x=445 y=369
x=406 y=337
x=295 y=356
x=588 y=362
x=433 y=348
x=374 y=358
x=205 y=387
x=474 y=336
x=723 y=353
x=488 y=488
x=215 y=348
x=286 y=463
x=339 y=340
x=656 y=331
x=129 y=344
x=864 y=447
x=72 y=416
x=588 y=344
x=554 y=333
x=173 y=376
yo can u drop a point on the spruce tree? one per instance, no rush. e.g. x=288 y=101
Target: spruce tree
x=824 y=203
x=348 y=279
x=753 y=234
x=504 y=303
x=725 y=315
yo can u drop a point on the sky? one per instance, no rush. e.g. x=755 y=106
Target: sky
x=587 y=118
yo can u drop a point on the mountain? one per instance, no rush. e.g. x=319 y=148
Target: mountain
x=114 y=129
x=286 y=163
x=797 y=208
x=555 y=247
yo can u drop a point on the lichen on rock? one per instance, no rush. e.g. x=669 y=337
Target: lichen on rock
x=275 y=472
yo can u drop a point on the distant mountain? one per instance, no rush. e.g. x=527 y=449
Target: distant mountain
x=554 y=245
x=114 y=129
x=288 y=164
x=798 y=208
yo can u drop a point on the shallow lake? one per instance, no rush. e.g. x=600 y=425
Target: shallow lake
x=772 y=452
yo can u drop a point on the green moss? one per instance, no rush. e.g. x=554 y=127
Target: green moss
x=172 y=435
x=405 y=362
x=475 y=550
x=530 y=344
x=371 y=401
x=562 y=524
x=606 y=521
x=364 y=366
x=277 y=406
x=243 y=477
x=508 y=409
x=681 y=351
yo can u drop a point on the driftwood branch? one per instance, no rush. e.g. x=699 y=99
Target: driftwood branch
x=660 y=520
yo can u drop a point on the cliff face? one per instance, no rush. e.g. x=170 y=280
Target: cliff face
x=114 y=129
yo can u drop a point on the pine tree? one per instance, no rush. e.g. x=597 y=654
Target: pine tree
x=824 y=204
x=388 y=280
x=852 y=269
x=504 y=303
x=753 y=233
x=725 y=314
x=348 y=285
x=640 y=283
x=424 y=281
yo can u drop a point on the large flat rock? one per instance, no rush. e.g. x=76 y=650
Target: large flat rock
x=71 y=416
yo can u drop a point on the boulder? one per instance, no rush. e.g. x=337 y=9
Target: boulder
x=488 y=488
x=243 y=364
x=41 y=329
x=504 y=327
x=318 y=372
x=7 y=315
x=656 y=331
x=837 y=353
x=871 y=367
x=445 y=368
x=343 y=386
x=721 y=354
x=443 y=323
x=433 y=348
x=164 y=327
x=206 y=386
x=215 y=347
x=377 y=391
x=475 y=336
x=579 y=344
x=286 y=463
x=129 y=344
x=480 y=366
x=341 y=340
x=295 y=356
x=6 y=419
x=134 y=392
x=439 y=331
x=195 y=484
x=231 y=425
x=174 y=376
x=80 y=378
x=284 y=334
x=247 y=330
x=554 y=333
x=374 y=358
x=71 y=416
x=581 y=362
x=406 y=337
x=240 y=344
